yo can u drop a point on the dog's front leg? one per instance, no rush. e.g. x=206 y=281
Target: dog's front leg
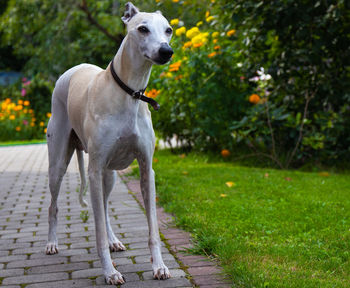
x=112 y=276
x=160 y=271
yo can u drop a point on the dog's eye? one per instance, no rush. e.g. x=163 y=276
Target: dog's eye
x=169 y=31
x=143 y=29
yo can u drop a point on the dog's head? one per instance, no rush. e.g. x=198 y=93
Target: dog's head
x=151 y=32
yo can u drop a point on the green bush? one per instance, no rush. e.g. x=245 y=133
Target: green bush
x=293 y=110
x=201 y=92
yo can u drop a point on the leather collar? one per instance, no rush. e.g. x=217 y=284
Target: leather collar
x=139 y=95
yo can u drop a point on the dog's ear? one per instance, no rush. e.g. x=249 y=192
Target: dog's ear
x=130 y=11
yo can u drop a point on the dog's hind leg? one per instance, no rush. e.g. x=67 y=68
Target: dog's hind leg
x=60 y=149
x=83 y=185
x=109 y=177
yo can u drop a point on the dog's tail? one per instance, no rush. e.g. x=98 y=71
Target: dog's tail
x=83 y=184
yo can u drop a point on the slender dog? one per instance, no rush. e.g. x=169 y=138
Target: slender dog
x=92 y=112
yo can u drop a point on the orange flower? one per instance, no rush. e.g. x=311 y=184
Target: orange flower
x=254 y=98
x=225 y=153
x=12 y=117
x=41 y=124
x=45 y=130
x=215 y=41
x=26 y=103
x=231 y=32
x=153 y=93
x=18 y=128
x=48 y=114
x=217 y=47
x=175 y=66
x=212 y=54
x=20 y=102
x=178 y=77
x=197 y=45
x=187 y=44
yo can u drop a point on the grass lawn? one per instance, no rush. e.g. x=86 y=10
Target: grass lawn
x=22 y=142
x=271 y=228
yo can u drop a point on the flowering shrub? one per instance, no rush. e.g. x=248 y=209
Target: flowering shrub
x=24 y=112
x=200 y=91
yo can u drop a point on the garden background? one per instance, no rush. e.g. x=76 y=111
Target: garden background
x=255 y=83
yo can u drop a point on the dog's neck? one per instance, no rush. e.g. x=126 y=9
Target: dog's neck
x=131 y=67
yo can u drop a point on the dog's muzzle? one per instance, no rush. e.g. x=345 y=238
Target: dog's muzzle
x=165 y=52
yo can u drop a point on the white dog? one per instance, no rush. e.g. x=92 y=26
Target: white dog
x=92 y=110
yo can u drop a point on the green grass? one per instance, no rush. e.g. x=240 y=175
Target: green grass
x=284 y=229
x=22 y=142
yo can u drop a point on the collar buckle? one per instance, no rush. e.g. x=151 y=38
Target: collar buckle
x=137 y=94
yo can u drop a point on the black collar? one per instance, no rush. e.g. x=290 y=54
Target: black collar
x=134 y=94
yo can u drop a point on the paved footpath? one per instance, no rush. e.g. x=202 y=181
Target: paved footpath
x=24 y=202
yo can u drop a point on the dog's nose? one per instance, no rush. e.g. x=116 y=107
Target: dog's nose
x=165 y=51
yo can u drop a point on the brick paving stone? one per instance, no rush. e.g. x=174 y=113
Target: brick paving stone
x=11 y=272
x=35 y=278
x=58 y=268
x=74 y=283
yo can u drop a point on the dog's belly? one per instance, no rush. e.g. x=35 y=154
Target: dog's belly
x=122 y=156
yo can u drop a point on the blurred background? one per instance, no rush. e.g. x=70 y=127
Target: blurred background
x=269 y=78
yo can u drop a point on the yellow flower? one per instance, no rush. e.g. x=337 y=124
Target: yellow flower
x=231 y=32
x=207 y=14
x=26 y=103
x=48 y=114
x=199 y=23
x=215 y=34
x=192 y=32
x=169 y=74
x=212 y=54
x=41 y=124
x=174 y=22
x=175 y=1
x=254 y=98
x=12 y=117
x=18 y=128
x=45 y=130
x=180 y=31
x=187 y=44
x=223 y=195
x=200 y=38
x=209 y=19
x=215 y=41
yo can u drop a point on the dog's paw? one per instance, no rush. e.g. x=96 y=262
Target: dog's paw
x=51 y=248
x=115 y=278
x=161 y=272
x=116 y=246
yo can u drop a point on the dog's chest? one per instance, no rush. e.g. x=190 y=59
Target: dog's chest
x=127 y=144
